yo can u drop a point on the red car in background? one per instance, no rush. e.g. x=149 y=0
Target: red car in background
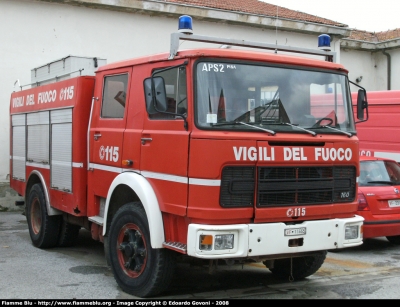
x=379 y=198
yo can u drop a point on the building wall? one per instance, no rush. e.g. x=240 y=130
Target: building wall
x=37 y=32
x=395 y=63
x=374 y=67
x=41 y=32
x=370 y=66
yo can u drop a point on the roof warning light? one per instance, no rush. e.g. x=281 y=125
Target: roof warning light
x=185 y=24
x=324 y=42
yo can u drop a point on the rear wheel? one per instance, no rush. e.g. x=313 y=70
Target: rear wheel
x=68 y=234
x=299 y=267
x=43 y=229
x=394 y=239
x=138 y=269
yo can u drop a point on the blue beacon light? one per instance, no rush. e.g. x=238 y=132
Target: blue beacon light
x=185 y=24
x=324 y=42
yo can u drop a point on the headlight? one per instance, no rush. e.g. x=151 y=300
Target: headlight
x=223 y=242
x=216 y=242
x=351 y=232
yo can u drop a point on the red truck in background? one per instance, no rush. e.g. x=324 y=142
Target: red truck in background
x=379 y=136
x=210 y=153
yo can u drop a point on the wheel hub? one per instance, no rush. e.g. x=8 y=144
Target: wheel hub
x=132 y=250
x=36 y=216
x=127 y=249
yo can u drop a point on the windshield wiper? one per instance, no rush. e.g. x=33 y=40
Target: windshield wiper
x=309 y=131
x=381 y=181
x=349 y=134
x=242 y=123
x=267 y=130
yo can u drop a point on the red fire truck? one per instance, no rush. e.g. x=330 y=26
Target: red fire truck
x=379 y=135
x=210 y=153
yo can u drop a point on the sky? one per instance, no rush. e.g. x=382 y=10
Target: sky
x=368 y=15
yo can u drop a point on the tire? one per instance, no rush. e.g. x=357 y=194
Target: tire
x=106 y=251
x=68 y=234
x=43 y=229
x=138 y=269
x=302 y=267
x=394 y=239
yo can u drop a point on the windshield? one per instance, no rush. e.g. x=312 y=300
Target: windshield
x=274 y=98
x=379 y=172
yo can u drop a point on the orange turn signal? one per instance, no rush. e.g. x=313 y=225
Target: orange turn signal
x=206 y=240
x=127 y=162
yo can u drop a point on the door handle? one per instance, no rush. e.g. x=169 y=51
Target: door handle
x=144 y=140
x=97 y=136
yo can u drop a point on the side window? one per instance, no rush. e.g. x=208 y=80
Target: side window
x=114 y=96
x=175 y=88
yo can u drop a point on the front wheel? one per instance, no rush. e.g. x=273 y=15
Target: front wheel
x=299 y=267
x=43 y=229
x=138 y=268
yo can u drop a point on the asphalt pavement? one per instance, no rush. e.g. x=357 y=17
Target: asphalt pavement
x=369 y=271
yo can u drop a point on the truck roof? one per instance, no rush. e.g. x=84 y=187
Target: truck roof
x=239 y=54
x=371 y=158
x=388 y=97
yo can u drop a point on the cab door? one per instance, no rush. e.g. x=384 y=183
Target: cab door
x=106 y=135
x=165 y=144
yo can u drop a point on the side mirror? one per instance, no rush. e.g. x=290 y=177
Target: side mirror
x=362 y=104
x=156 y=97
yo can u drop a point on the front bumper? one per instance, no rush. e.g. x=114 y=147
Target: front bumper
x=254 y=240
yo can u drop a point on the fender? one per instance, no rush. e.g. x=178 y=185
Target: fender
x=146 y=194
x=50 y=209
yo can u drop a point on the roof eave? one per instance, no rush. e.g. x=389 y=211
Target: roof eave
x=167 y=9
x=352 y=44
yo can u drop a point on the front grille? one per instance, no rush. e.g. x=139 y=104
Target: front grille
x=285 y=186
x=237 y=187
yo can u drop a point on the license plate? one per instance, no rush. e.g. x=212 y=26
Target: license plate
x=394 y=203
x=295 y=231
